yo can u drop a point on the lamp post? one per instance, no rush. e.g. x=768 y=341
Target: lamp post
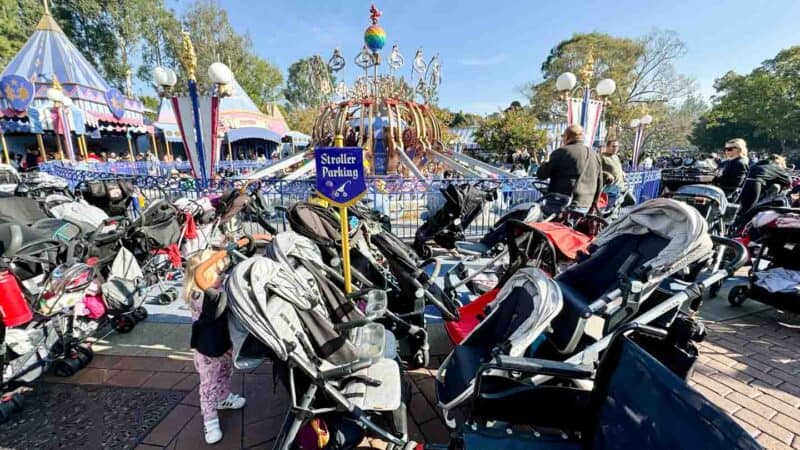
x=591 y=112
x=639 y=125
x=197 y=115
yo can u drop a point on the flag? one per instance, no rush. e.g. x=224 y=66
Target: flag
x=589 y=118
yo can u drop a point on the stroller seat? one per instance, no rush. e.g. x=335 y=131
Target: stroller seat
x=472 y=248
x=14 y=236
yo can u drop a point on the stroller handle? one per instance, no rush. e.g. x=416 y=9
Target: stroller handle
x=203 y=276
x=740 y=254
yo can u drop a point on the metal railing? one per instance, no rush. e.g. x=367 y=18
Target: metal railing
x=407 y=202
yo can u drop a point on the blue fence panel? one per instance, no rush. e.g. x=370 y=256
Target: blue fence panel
x=407 y=202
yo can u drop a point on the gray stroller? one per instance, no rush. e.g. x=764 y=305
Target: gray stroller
x=334 y=372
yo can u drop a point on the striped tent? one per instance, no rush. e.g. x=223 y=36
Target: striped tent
x=49 y=55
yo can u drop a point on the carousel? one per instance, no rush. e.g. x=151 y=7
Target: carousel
x=378 y=112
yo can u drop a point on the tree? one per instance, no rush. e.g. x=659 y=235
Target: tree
x=17 y=21
x=300 y=90
x=302 y=120
x=215 y=39
x=515 y=129
x=462 y=119
x=642 y=69
x=766 y=102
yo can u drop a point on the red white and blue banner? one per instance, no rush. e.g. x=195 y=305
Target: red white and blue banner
x=197 y=119
x=589 y=117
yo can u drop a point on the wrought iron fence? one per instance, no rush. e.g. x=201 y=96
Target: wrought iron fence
x=407 y=202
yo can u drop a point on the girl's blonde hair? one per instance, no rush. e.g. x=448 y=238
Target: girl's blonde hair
x=189 y=286
x=739 y=143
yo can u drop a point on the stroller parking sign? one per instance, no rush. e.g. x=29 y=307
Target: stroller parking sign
x=340 y=174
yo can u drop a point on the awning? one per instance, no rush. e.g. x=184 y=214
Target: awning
x=238 y=134
x=171 y=132
x=299 y=138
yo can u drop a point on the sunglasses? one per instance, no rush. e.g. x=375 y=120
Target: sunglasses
x=730 y=149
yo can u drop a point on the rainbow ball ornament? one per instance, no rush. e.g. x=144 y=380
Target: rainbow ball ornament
x=375 y=38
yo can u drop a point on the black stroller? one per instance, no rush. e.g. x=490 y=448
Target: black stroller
x=640 y=399
x=618 y=281
x=463 y=203
x=774 y=276
x=112 y=196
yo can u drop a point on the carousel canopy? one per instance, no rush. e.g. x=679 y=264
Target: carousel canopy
x=49 y=56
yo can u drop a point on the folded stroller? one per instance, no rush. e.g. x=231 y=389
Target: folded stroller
x=463 y=203
x=615 y=282
x=328 y=374
x=774 y=276
x=112 y=196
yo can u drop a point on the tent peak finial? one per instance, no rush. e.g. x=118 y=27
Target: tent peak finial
x=47 y=23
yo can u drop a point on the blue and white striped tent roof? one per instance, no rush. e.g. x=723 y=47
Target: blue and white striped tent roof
x=466 y=137
x=49 y=54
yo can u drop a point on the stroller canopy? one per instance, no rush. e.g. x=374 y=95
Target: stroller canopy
x=706 y=190
x=678 y=222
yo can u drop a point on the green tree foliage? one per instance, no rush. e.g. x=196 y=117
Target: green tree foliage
x=300 y=90
x=671 y=127
x=462 y=119
x=515 y=129
x=642 y=68
x=763 y=107
x=18 y=18
x=215 y=40
x=301 y=120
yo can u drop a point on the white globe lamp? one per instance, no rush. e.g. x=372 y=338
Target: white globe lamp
x=566 y=81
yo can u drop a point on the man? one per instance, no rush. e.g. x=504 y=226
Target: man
x=763 y=174
x=574 y=169
x=612 y=166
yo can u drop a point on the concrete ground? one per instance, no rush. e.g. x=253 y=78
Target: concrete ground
x=749 y=366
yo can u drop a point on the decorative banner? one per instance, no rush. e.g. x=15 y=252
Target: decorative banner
x=588 y=118
x=208 y=107
x=78 y=121
x=35 y=120
x=185 y=117
x=18 y=91
x=116 y=102
x=340 y=174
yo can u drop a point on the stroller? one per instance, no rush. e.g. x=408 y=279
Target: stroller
x=616 y=282
x=379 y=261
x=639 y=399
x=774 y=276
x=333 y=382
x=112 y=196
x=154 y=238
x=712 y=204
x=463 y=203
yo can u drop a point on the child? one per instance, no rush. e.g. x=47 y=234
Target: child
x=211 y=344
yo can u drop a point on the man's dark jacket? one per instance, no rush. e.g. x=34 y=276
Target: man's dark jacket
x=564 y=170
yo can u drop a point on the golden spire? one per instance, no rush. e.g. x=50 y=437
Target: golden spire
x=588 y=68
x=47 y=23
x=188 y=58
x=56 y=84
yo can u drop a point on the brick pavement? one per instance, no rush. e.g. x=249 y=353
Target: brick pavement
x=749 y=367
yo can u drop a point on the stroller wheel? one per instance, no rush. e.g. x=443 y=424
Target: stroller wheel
x=123 y=324
x=737 y=296
x=167 y=297
x=66 y=367
x=139 y=314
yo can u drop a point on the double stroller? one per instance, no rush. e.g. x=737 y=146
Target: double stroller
x=626 y=277
x=774 y=277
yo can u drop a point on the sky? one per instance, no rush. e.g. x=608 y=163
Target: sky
x=489 y=49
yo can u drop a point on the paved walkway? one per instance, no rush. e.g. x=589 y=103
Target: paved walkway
x=749 y=366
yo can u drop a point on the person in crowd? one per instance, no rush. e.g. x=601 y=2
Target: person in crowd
x=519 y=171
x=647 y=163
x=734 y=171
x=212 y=351
x=16 y=161
x=612 y=165
x=763 y=174
x=525 y=160
x=574 y=169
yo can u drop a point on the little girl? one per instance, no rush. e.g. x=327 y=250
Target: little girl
x=211 y=344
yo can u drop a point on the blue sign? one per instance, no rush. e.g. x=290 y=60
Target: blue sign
x=18 y=91
x=116 y=102
x=340 y=174
x=35 y=121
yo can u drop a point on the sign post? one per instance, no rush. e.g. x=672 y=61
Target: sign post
x=342 y=182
